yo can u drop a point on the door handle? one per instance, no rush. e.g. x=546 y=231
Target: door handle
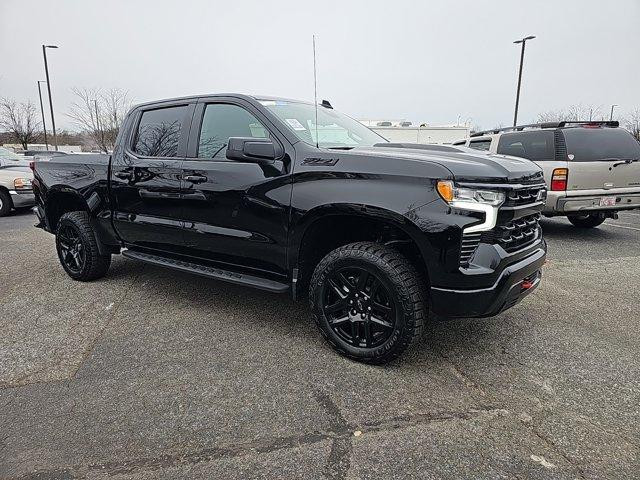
x=195 y=178
x=124 y=175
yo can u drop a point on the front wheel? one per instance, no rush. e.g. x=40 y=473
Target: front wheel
x=368 y=301
x=5 y=203
x=587 y=221
x=78 y=249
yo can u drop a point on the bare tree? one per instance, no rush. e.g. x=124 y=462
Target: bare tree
x=632 y=123
x=20 y=120
x=572 y=113
x=100 y=113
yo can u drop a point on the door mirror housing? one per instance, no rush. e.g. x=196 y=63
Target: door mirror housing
x=249 y=149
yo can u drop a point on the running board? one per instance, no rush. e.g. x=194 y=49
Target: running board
x=211 y=272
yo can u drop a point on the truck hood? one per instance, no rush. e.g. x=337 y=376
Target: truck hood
x=465 y=164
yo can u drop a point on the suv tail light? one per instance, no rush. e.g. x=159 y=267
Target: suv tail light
x=559 y=179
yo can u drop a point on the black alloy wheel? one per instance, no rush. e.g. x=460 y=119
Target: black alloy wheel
x=358 y=307
x=77 y=248
x=368 y=301
x=72 y=252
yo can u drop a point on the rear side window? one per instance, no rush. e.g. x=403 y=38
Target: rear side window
x=222 y=121
x=480 y=144
x=534 y=145
x=593 y=144
x=159 y=131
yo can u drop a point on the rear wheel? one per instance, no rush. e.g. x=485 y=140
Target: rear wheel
x=78 y=249
x=587 y=221
x=368 y=301
x=5 y=203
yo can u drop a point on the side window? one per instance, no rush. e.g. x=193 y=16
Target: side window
x=158 y=132
x=534 y=145
x=221 y=121
x=480 y=144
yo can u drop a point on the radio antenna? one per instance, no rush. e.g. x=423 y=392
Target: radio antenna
x=315 y=89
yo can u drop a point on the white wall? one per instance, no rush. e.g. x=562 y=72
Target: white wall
x=423 y=134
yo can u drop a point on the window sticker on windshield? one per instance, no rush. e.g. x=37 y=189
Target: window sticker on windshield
x=295 y=124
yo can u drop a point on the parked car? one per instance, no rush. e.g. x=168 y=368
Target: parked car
x=15 y=182
x=592 y=169
x=256 y=191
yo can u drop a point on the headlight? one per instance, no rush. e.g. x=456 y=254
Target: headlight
x=450 y=194
x=22 y=184
x=484 y=201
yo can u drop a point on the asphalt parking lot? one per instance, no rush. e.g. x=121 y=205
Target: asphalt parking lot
x=149 y=373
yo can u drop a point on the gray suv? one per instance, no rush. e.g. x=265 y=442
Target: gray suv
x=592 y=169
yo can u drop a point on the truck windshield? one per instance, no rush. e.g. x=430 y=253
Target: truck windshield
x=593 y=144
x=334 y=129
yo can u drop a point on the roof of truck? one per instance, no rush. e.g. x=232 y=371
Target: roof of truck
x=255 y=98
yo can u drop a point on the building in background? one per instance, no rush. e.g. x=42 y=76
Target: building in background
x=405 y=131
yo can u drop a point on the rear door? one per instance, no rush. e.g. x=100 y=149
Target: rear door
x=236 y=213
x=146 y=178
x=601 y=158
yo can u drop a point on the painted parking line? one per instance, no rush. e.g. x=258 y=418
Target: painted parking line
x=620 y=226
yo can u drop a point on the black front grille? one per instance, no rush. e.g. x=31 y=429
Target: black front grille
x=515 y=234
x=525 y=196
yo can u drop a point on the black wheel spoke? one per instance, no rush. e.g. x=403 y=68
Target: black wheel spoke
x=362 y=280
x=335 y=321
x=381 y=308
x=367 y=334
x=337 y=288
x=354 y=333
x=381 y=321
x=341 y=304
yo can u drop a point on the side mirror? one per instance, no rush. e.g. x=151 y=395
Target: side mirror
x=249 y=149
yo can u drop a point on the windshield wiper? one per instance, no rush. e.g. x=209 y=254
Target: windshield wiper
x=626 y=161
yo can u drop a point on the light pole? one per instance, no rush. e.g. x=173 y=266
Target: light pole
x=611 y=114
x=523 y=42
x=44 y=125
x=46 y=71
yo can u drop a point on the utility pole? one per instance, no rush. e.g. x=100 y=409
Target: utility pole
x=523 y=42
x=46 y=71
x=44 y=125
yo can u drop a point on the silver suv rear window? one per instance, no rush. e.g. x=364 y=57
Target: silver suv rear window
x=600 y=144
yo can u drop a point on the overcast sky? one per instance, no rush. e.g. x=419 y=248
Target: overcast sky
x=430 y=61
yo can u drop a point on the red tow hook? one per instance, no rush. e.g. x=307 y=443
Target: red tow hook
x=526 y=284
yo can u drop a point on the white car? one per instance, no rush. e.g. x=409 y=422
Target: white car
x=15 y=182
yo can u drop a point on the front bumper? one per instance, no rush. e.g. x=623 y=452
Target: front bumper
x=559 y=203
x=22 y=199
x=514 y=283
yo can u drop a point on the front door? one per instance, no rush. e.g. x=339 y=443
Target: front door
x=235 y=212
x=146 y=179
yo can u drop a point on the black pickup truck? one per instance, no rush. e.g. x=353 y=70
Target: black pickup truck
x=289 y=197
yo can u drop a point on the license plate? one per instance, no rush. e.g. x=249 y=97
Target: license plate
x=607 y=201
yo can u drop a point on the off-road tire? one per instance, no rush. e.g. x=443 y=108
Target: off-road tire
x=587 y=221
x=404 y=284
x=5 y=203
x=94 y=265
